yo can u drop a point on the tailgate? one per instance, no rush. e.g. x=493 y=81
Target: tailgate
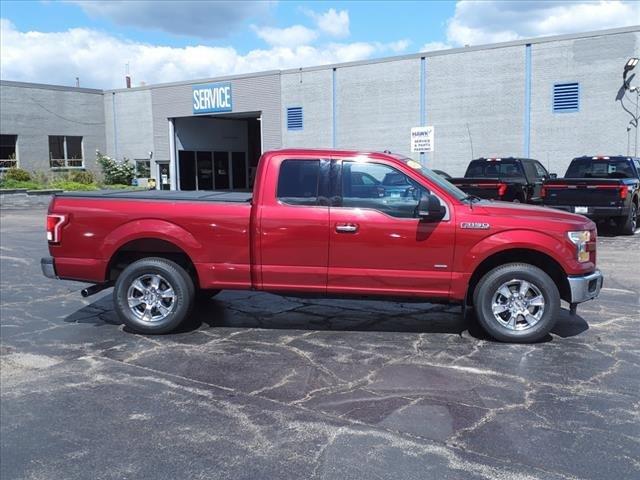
x=587 y=192
x=491 y=188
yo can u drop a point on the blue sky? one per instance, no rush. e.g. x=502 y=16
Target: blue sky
x=54 y=42
x=420 y=22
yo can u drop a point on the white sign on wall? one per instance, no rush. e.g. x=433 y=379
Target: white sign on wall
x=422 y=139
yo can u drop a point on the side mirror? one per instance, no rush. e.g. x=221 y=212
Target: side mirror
x=553 y=175
x=430 y=209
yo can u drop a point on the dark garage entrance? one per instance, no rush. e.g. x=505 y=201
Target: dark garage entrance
x=218 y=153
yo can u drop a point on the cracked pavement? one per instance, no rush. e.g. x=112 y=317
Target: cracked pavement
x=259 y=386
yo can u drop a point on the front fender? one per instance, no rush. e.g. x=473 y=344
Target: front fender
x=560 y=251
x=151 y=228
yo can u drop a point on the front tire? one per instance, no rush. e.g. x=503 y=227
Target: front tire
x=153 y=295
x=517 y=302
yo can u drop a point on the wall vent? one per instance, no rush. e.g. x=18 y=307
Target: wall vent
x=566 y=97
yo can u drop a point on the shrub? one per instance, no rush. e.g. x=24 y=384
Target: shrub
x=69 y=185
x=17 y=174
x=83 y=176
x=116 y=172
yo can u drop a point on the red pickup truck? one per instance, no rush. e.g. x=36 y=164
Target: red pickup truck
x=331 y=223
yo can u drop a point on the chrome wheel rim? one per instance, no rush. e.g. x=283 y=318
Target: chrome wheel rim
x=518 y=304
x=151 y=298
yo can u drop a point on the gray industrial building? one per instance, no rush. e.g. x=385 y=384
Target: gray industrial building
x=549 y=98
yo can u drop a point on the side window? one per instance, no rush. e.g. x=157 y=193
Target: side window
x=298 y=182
x=379 y=187
x=540 y=170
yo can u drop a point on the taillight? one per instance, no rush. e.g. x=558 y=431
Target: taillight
x=543 y=191
x=624 y=191
x=54 y=224
x=502 y=189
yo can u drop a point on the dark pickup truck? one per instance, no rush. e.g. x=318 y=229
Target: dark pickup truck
x=601 y=188
x=507 y=179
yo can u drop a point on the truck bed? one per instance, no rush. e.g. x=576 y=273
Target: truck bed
x=212 y=226
x=164 y=195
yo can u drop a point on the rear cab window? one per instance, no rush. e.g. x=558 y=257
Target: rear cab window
x=611 y=168
x=498 y=168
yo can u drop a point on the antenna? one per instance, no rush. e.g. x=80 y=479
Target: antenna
x=470 y=140
x=77 y=82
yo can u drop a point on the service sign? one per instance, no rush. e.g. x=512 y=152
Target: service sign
x=212 y=98
x=422 y=139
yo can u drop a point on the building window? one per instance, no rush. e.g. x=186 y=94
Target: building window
x=8 y=157
x=294 y=118
x=143 y=168
x=65 y=152
x=566 y=97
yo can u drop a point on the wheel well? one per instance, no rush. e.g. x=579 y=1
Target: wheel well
x=521 y=255
x=149 y=247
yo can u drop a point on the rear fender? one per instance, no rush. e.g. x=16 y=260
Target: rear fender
x=157 y=229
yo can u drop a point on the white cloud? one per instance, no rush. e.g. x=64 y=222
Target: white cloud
x=331 y=22
x=206 y=19
x=477 y=23
x=293 y=36
x=433 y=46
x=98 y=58
x=398 y=46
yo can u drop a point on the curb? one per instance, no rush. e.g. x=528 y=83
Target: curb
x=44 y=192
x=6 y=191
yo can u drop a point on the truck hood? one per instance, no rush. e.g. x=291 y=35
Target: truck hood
x=533 y=213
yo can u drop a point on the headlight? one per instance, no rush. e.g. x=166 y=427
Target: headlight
x=580 y=240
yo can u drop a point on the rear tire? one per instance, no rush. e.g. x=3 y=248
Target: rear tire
x=627 y=225
x=517 y=303
x=153 y=295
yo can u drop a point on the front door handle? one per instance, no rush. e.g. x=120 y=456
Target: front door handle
x=346 y=227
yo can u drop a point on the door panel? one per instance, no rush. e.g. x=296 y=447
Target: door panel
x=187 y=169
x=389 y=255
x=294 y=228
x=205 y=171
x=294 y=245
x=375 y=246
x=221 y=170
x=239 y=163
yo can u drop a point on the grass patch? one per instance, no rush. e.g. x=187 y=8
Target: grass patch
x=28 y=184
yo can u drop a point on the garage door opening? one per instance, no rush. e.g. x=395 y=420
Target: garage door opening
x=217 y=153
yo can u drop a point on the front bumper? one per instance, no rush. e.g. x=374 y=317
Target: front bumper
x=585 y=287
x=48 y=267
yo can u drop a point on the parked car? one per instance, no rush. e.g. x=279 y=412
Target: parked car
x=508 y=179
x=442 y=173
x=602 y=188
x=307 y=230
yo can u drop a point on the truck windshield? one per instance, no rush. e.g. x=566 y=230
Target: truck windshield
x=506 y=168
x=599 y=168
x=435 y=178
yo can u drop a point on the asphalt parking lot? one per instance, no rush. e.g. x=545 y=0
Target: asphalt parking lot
x=264 y=387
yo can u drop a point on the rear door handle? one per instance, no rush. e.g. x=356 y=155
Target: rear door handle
x=346 y=227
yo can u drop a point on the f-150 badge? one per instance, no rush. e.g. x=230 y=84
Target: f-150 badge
x=475 y=225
